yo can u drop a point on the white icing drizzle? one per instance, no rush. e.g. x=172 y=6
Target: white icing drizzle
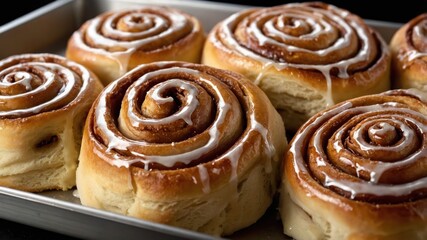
x=184 y=113
x=233 y=155
x=380 y=167
x=151 y=23
x=333 y=182
x=320 y=162
x=177 y=22
x=384 y=190
x=204 y=177
x=421 y=95
x=299 y=12
x=116 y=141
x=359 y=169
x=22 y=78
x=52 y=72
x=270 y=149
x=329 y=99
x=261 y=74
x=317 y=28
x=298 y=139
x=153 y=28
x=407 y=134
x=76 y=193
x=120 y=143
x=412 y=54
x=318 y=126
x=384 y=128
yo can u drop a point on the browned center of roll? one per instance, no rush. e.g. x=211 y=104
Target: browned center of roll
x=146 y=28
x=304 y=35
x=168 y=100
x=371 y=148
x=383 y=133
x=418 y=34
x=31 y=84
x=169 y=115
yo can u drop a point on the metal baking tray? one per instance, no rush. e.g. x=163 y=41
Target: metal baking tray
x=47 y=30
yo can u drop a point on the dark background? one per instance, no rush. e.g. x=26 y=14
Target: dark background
x=393 y=11
x=17 y=8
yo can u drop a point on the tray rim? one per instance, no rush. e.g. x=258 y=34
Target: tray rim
x=198 y=3
x=41 y=200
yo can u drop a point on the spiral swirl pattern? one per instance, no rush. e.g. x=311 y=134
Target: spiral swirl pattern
x=416 y=37
x=169 y=115
x=370 y=149
x=308 y=36
x=31 y=84
x=114 y=42
x=145 y=29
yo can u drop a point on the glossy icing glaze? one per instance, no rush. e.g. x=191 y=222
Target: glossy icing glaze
x=358 y=148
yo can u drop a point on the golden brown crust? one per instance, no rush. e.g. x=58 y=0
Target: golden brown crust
x=409 y=54
x=44 y=102
x=201 y=182
x=290 y=52
x=113 y=43
x=357 y=170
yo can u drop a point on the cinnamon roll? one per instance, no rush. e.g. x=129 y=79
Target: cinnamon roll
x=182 y=144
x=305 y=56
x=409 y=54
x=114 y=42
x=358 y=170
x=44 y=100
